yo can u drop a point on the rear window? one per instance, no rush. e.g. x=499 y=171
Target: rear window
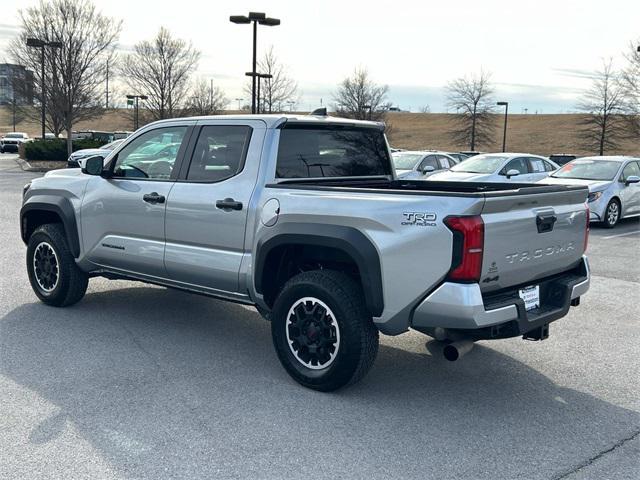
x=310 y=151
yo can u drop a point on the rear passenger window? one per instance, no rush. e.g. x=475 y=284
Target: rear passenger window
x=220 y=152
x=444 y=162
x=537 y=165
x=548 y=167
x=312 y=151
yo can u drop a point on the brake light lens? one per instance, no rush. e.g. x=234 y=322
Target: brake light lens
x=586 y=229
x=468 y=247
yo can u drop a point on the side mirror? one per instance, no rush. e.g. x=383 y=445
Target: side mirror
x=513 y=173
x=93 y=165
x=632 y=179
x=428 y=169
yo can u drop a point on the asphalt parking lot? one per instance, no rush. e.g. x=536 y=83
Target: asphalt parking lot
x=144 y=382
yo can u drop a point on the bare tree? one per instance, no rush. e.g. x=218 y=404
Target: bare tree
x=278 y=90
x=472 y=99
x=425 y=109
x=17 y=111
x=630 y=85
x=161 y=69
x=75 y=71
x=359 y=97
x=206 y=99
x=604 y=124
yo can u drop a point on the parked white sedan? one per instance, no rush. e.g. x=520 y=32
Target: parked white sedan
x=420 y=164
x=498 y=167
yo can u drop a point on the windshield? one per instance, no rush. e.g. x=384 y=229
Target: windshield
x=15 y=135
x=479 y=164
x=406 y=161
x=589 y=170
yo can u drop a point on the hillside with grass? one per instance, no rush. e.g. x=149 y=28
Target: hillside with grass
x=540 y=134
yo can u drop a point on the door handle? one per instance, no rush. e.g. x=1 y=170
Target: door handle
x=228 y=204
x=153 y=197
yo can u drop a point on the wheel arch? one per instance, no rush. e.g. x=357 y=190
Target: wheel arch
x=41 y=209
x=323 y=243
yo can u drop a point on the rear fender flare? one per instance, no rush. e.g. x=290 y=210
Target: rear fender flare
x=348 y=239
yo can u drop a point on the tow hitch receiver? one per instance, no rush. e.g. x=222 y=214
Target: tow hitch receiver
x=540 y=333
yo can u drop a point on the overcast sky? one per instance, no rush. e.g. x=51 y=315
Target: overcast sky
x=540 y=52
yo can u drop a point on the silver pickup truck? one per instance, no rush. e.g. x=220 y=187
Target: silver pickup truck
x=304 y=218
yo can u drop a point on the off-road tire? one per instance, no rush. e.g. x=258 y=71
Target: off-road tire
x=72 y=282
x=358 y=336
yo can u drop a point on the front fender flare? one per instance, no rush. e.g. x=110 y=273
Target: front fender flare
x=57 y=204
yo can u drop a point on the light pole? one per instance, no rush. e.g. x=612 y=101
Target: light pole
x=504 y=134
x=136 y=98
x=41 y=44
x=256 y=18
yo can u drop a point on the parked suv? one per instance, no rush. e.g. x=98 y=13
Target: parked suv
x=11 y=141
x=303 y=217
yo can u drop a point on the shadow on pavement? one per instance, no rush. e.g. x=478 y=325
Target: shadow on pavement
x=166 y=384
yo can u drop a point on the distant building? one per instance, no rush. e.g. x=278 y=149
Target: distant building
x=15 y=82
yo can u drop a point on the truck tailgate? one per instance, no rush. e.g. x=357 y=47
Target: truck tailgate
x=532 y=235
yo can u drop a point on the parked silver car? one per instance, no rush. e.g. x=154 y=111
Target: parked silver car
x=498 y=167
x=421 y=164
x=614 y=185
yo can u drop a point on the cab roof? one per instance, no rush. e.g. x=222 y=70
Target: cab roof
x=277 y=120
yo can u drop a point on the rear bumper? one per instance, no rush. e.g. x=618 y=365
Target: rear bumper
x=463 y=307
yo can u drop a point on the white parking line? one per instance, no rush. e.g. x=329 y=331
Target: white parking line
x=621 y=235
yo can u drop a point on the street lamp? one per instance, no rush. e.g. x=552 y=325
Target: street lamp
x=136 y=98
x=41 y=44
x=504 y=135
x=256 y=18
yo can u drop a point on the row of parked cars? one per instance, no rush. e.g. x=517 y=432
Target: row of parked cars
x=613 y=181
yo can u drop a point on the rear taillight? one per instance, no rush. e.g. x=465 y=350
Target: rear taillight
x=468 y=245
x=586 y=229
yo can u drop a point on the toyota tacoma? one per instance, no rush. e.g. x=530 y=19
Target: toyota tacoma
x=304 y=218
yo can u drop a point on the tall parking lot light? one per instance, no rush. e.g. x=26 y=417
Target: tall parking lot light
x=504 y=134
x=255 y=18
x=136 y=98
x=41 y=44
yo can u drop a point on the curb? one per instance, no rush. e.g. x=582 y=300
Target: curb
x=26 y=166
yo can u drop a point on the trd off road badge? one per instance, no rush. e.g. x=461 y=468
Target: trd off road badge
x=420 y=219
